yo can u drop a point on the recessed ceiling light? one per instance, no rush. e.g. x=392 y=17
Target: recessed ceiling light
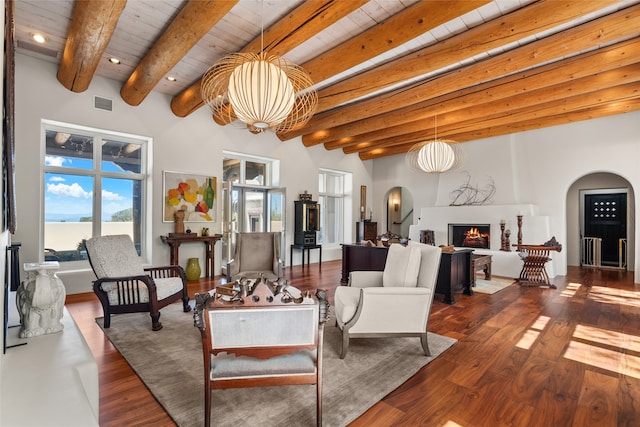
x=171 y=79
x=114 y=60
x=38 y=37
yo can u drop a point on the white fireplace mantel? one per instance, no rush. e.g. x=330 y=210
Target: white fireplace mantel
x=536 y=229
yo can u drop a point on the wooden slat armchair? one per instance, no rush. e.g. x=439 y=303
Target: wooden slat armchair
x=534 y=258
x=124 y=286
x=261 y=333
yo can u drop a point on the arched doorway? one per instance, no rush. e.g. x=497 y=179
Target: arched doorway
x=399 y=211
x=594 y=211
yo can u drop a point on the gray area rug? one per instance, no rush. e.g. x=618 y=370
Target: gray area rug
x=169 y=362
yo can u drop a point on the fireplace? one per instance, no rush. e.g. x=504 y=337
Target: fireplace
x=475 y=236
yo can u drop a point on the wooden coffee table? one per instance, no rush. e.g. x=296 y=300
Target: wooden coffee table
x=480 y=262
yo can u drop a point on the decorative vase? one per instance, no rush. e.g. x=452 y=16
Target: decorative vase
x=208 y=194
x=193 y=269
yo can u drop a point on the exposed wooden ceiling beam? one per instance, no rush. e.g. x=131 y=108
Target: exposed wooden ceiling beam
x=310 y=18
x=91 y=29
x=544 y=63
x=488 y=132
x=192 y=23
x=398 y=29
x=534 y=18
x=588 y=106
x=619 y=93
x=460 y=123
x=575 y=92
x=409 y=119
x=301 y=24
x=393 y=32
x=480 y=115
x=589 y=113
x=608 y=29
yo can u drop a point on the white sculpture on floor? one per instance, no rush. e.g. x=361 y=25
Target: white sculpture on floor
x=40 y=300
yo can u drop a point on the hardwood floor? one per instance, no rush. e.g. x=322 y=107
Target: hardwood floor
x=525 y=357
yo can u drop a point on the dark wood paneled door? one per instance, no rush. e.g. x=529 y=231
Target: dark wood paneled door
x=605 y=216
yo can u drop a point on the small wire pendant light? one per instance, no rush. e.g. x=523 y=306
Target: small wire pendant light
x=433 y=156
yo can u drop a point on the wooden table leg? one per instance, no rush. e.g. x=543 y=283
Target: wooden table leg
x=208 y=249
x=174 y=253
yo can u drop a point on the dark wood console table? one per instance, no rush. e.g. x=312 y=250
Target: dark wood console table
x=175 y=241
x=357 y=257
x=455 y=267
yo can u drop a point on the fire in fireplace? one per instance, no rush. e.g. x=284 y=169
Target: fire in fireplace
x=475 y=236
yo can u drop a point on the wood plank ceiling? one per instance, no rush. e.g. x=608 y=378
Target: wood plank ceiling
x=388 y=72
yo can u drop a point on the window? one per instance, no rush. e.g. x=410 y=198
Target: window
x=243 y=169
x=94 y=185
x=331 y=199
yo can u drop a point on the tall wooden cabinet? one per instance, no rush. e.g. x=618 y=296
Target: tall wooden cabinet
x=366 y=230
x=307 y=222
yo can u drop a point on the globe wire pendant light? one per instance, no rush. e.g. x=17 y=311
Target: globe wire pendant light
x=264 y=91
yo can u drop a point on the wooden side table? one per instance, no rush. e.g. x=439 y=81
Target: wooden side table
x=480 y=262
x=174 y=241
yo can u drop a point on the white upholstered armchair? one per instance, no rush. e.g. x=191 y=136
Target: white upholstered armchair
x=393 y=302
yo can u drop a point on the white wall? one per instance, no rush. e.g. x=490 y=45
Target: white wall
x=192 y=144
x=536 y=167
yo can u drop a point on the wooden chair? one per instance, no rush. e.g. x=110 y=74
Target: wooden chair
x=124 y=286
x=534 y=258
x=243 y=342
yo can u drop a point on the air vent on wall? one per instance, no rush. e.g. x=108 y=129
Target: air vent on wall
x=102 y=103
x=36 y=48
